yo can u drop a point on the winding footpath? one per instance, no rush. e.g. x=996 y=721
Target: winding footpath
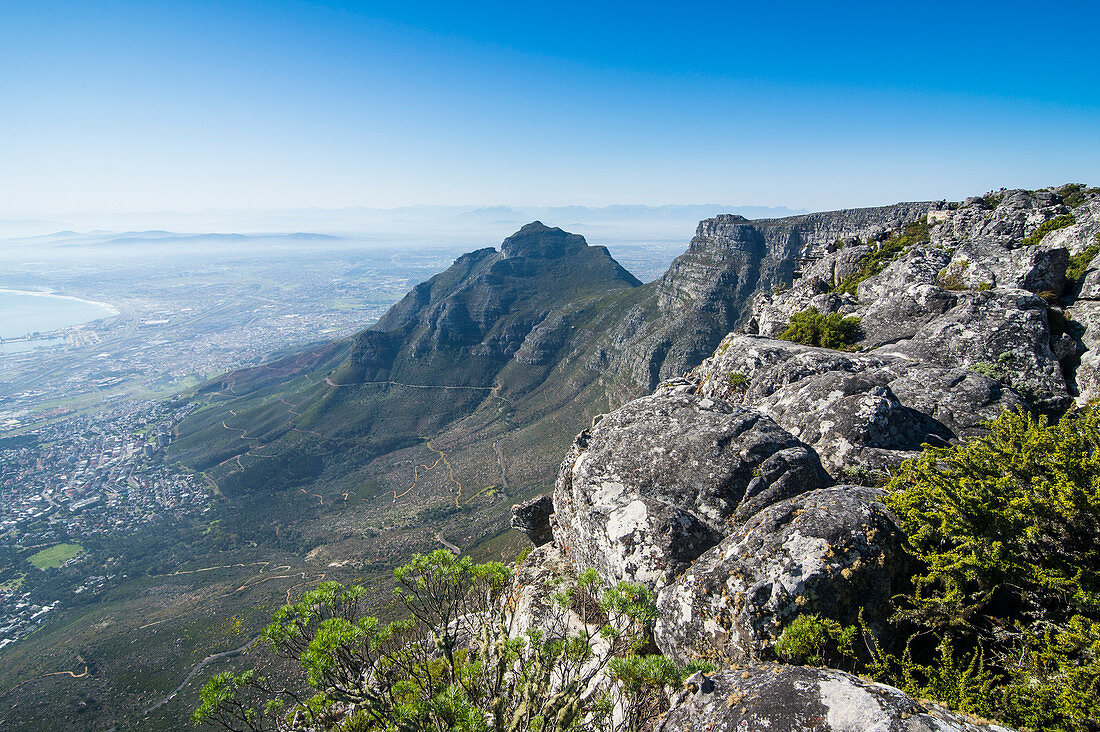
x=198 y=667
x=80 y=675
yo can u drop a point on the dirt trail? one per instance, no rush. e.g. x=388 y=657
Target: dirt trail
x=198 y=667
x=332 y=383
x=503 y=476
x=80 y=675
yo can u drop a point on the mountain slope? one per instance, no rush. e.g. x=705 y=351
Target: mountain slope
x=486 y=330
x=505 y=339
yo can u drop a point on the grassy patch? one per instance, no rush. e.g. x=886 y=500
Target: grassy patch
x=56 y=555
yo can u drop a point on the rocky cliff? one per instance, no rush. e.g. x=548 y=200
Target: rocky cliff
x=741 y=494
x=708 y=290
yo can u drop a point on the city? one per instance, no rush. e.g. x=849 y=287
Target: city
x=77 y=478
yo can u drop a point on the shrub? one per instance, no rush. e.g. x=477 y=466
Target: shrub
x=454 y=662
x=817 y=641
x=874 y=262
x=1058 y=222
x=1006 y=529
x=950 y=279
x=813 y=328
x=737 y=379
x=1079 y=263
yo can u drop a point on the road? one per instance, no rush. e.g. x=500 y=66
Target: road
x=440 y=538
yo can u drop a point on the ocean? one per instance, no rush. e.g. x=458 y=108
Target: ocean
x=22 y=313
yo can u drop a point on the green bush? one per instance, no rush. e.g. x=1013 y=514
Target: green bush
x=817 y=641
x=813 y=328
x=1058 y=222
x=874 y=262
x=1006 y=529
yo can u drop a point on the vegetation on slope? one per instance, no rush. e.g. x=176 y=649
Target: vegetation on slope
x=1079 y=263
x=872 y=263
x=1003 y=617
x=1074 y=194
x=1058 y=222
x=454 y=662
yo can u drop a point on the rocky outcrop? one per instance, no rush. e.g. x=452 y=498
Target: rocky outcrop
x=835 y=552
x=979 y=290
x=711 y=492
x=770 y=698
x=662 y=479
x=529 y=601
x=533 y=519
x=860 y=412
x=1007 y=330
x=708 y=291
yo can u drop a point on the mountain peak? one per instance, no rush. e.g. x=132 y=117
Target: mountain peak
x=536 y=239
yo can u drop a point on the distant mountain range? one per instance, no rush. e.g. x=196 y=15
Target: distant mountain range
x=416 y=221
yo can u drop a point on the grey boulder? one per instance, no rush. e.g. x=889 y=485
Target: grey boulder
x=765 y=698
x=662 y=479
x=836 y=552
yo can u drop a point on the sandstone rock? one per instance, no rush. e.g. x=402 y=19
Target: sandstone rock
x=1038 y=268
x=1007 y=329
x=959 y=399
x=1017 y=214
x=835 y=551
x=857 y=410
x=765 y=698
x=662 y=479
x=533 y=519
x=853 y=420
x=1086 y=317
x=529 y=602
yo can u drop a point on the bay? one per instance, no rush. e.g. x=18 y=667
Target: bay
x=22 y=312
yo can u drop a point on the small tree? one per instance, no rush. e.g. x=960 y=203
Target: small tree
x=458 y=662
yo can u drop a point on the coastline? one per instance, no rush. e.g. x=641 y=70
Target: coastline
x=50 y=293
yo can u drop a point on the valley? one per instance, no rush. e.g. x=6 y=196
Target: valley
x=182 y=566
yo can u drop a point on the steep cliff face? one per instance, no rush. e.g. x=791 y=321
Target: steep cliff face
x=708 y=290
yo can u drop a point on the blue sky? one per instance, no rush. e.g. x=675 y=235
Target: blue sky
x=115 y=106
